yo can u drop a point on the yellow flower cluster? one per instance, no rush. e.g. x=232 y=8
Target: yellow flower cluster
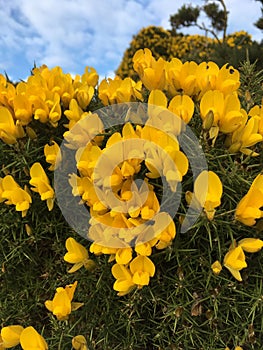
x=127 y=222
x=28 y=338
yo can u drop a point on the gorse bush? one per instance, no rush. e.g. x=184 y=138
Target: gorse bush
x=163 y=175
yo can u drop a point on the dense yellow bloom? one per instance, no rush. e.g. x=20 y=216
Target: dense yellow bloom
x=249 y=208
x=10 y=336
x=30 y=339
x=61 y=305
x=78 y=255
x=53 y=155
x=41 y=184
x=118 y=91
x=208 y=190
x=234 y=261
x=13 y=194
x=79 y=343
x=74 y=113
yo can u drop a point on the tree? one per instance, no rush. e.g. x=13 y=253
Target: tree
x=188 y=16
x=259 y=23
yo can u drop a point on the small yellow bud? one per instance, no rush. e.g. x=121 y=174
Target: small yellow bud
x=235 y=147
x=28 y=229
x=79 y=343
x=208 y=121
x=31 y=133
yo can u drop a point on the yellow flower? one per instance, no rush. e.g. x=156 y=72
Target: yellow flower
x=61 y=305
x=30 y=339
x=40 y=180
x=245 y=136
x=124 y=283
x=249 y=208
x=208 y=190
x=74 y=113
x=10 y=336
x=234 y=261
x=251 y=245
x=151 y=72
x=227 y=113
x=216 y=267
x=79 y=343
x=53 y=155
x=9 y=131
x=14 y=194
x=77 y=255
x=142 y=268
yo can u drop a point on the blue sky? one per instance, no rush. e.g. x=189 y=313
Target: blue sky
x=78 y=33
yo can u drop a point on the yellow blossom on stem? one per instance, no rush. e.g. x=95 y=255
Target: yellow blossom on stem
x=249 y=208
x=234 y=261
x=61 y=305
x=53 y=155
x=30 y=339
x=208 y=190
x=124 y=283
x=78 y=255
x=41 y=184
x=142 y=268
x=9 y=130
x=13 y=194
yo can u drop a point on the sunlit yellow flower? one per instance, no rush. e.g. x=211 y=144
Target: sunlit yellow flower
x=30 y=339
x=22 y=109
x=10 y=336
x=227 y=79
x=150 y=71
x=9 y=131
x=53 y=155
x=41 y=184
x=247 y=135
x=208 y=190
x=226 y=110
x=249 y=208
x=61 y=305
x=13 y=194
x=90 y=76
x=251 y=245
x=234 y=261
x=216 y=267
x=78 y=255
x=79 y=342
x=74 y=113
x=118 y=91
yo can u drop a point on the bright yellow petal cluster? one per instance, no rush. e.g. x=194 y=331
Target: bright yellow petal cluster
x=61 y=305
x=136 y=274
x=12 y=194
x=188 y=78
x=249 y=209
x=79 y=343
x=118 y=91
x=41 y=184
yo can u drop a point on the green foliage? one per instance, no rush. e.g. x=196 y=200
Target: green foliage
x=186 y=16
